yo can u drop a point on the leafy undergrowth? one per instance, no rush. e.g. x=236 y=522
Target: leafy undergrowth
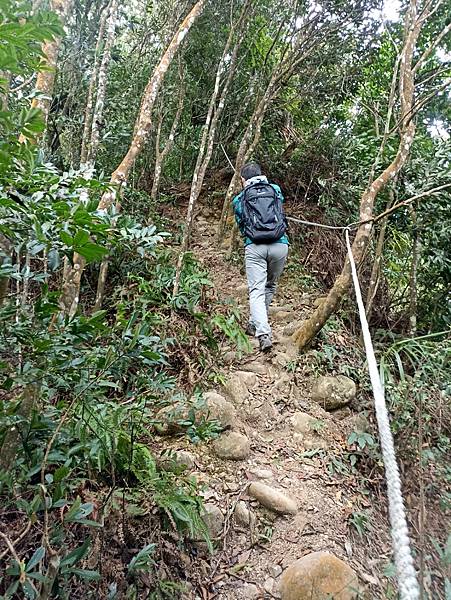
x=87 y=511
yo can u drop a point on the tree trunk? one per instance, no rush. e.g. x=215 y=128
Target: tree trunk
x=377 y=263
x=71 y=285
x=413 y=295
x=303 y=336
x=87 y=126
x=160 y=155
x=46 y=79
x=101 y=85
x=13 y=436
x=208 y=134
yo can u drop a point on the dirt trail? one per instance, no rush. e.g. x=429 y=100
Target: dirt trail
x=254 y=544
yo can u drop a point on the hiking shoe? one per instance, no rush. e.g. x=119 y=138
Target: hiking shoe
x=265 y=342
x=250 y=329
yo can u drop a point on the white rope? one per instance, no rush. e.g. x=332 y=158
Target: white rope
x=406 y=575
x=227 y=157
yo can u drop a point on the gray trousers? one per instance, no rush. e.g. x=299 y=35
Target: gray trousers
x=264 y=265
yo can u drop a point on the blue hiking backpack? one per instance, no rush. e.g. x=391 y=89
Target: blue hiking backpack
x=263 y=217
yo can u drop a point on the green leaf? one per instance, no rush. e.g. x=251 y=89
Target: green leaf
x=81 y=238
x=61 y=473
x=91 y=252
x=85 y=574
x=352 y=438
x=66 y=238
x=88 y=522
x=77 y=554
x=38 y=576
x=53 y=259
x=36 y=558
x=142 y=559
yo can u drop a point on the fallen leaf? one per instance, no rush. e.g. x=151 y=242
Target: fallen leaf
x=244 y=556
x=369 y=578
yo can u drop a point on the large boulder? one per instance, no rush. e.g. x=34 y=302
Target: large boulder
x=273 y=499
x=232 y=446
x=333 y=392
x=319 y=576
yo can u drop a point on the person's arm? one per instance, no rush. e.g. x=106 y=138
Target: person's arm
x=278 y=192
x=238 y=210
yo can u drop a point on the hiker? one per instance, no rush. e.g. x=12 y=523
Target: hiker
x=261 y=220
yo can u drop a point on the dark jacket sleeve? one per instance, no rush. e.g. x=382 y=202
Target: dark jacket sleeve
x=238 y=210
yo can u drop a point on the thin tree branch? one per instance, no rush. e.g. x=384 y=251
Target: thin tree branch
x=395 y=207
x=23 y=84
x=11 y=548
x=431 y=48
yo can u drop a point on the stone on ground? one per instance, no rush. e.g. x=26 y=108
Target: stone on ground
x=319 y=576
x=302 y=422
x=177 y=459
x=256 y=367
x=248 y=379
x=342 y=413
x=242 y=514
x=220 y=409
x=282 y=315
x=229 y=357
x=275 y=571
x=333 y=392
x=259 y=473
x=238 y=385
x=359 y=422
x=268 y=586
x=281 y=359
x=308 y=431
x=168 y=419
x=282 y=382
x=273 y=499
x=251 y=591
x=232 y=446
x=213 y=519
